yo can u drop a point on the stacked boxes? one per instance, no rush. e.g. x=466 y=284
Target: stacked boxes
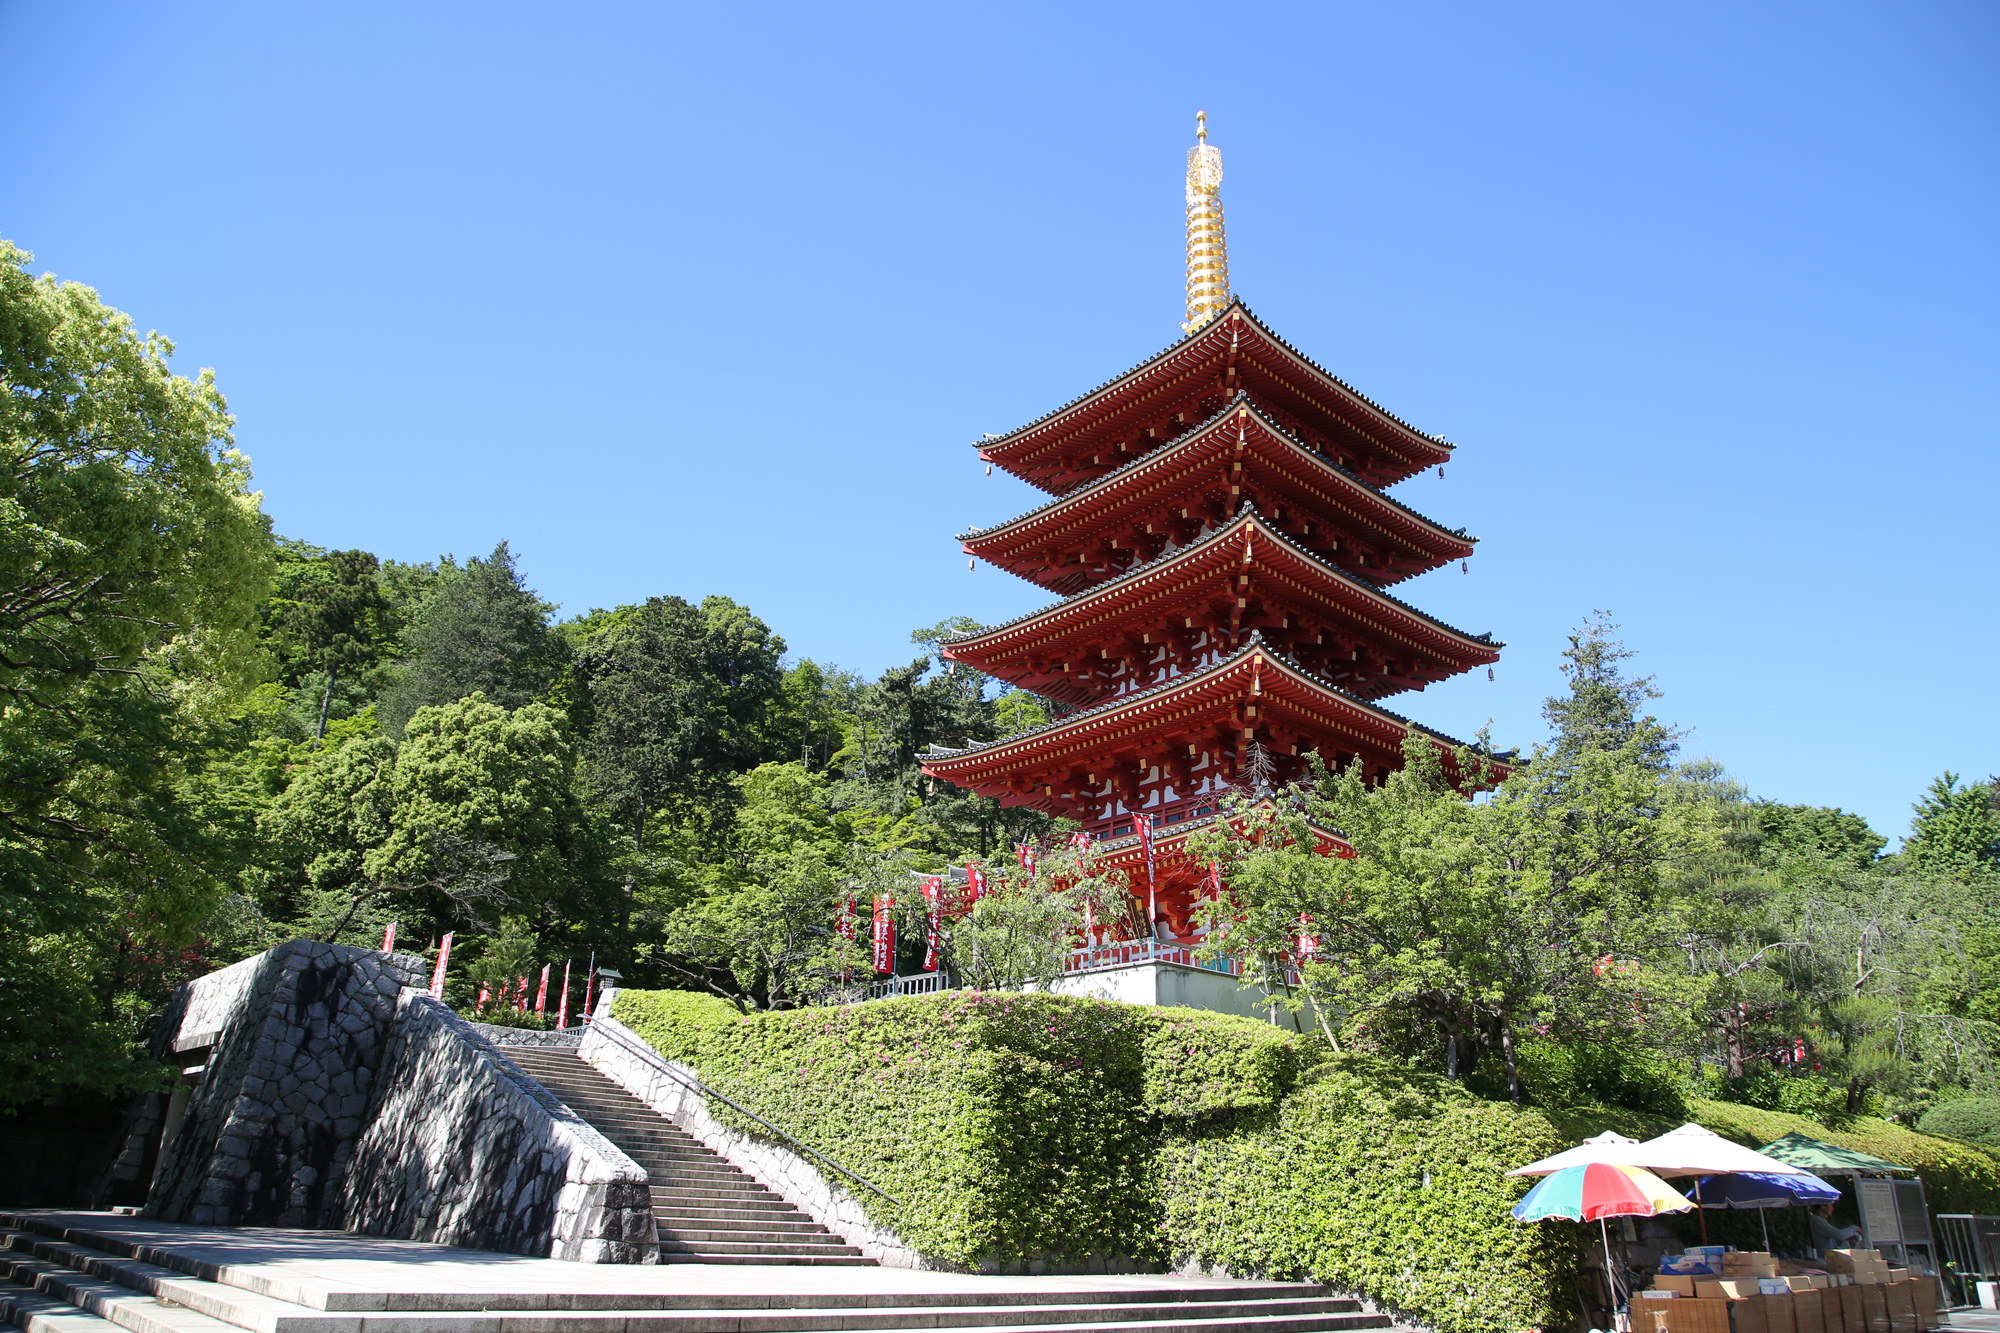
x=1712 y=1290
x=1866 y=1267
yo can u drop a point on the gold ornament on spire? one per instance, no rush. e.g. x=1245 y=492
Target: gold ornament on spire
x=1207 y=250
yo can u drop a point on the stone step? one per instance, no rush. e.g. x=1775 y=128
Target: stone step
x=762 y=1226
x=33 y=1312
x=745 y=1189
x=681 y=1171
x=179 y=1303
x=768 y=1251
x=692 y=1229
x=691 y=1213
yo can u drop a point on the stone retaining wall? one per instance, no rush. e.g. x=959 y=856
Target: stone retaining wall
x=790 y=1174
x=294 y=1037
x=463 y=1148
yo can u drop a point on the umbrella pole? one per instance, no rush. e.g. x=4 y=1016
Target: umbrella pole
x=1610 y=1274
x=1699 y=1211
x=1763 y=1222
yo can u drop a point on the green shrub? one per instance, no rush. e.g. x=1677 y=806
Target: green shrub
x=1595 y=1074
x=1809 y=1095
x=1376 y=1180
x=1974 y=1120
x=1009 y=1126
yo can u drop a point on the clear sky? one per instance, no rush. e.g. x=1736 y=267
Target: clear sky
x=692 y=299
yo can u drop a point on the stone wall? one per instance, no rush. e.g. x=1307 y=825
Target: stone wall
x=463 y=1148
x=790 y=1174
x=294 y=1037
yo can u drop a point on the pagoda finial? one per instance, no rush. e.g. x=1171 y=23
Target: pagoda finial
x=1207 y=251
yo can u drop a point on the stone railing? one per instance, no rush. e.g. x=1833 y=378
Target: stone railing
x=827 y=1194
x=463 y=1148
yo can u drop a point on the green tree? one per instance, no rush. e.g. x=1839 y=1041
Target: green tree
x=1787 y=832
x=481 y=630
x=480 y=790
x=1956 y=833
x=762 y=933
x=672 y=702
x=339 y=620
x=133 y=556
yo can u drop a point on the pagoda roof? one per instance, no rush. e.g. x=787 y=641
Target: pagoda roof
x=1247 y=542
x=1191 y=701
x=1122 y=496
x=1234 y=334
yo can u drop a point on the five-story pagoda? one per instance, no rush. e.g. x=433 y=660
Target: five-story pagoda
x=1223 y=544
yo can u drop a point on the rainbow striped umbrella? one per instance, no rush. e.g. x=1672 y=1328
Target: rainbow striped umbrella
x=1596 y=1190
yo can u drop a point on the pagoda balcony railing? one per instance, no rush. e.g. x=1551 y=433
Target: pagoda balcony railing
x=1091 y=958
x=1128 y=953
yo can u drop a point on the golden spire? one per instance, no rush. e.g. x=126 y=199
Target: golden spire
x=1207 y=250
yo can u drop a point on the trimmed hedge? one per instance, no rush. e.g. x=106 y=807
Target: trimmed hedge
x=1380 y=1181
x=1009 y=1126
x=1974 y=1120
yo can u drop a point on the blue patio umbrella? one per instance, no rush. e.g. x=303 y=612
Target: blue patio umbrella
x=1754 y=1189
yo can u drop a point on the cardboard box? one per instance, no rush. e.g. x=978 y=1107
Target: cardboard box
x=1727 y=1288
x=1689 y=1315
x=1874 y=1307
x=1900 y=1275
x=1807 y=1282
x=1779 y=1315
x=1830 y=1312
x=1809 y=1311
x=1851 y=1314
x=1927 y=1303
x=1680 y=1286
x=1748 y=1317
x=1901 y=1298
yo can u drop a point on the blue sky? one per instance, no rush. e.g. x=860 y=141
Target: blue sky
x=715 y=299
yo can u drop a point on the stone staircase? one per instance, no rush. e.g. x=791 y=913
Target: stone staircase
x=707 y=1210
x=61 y=1278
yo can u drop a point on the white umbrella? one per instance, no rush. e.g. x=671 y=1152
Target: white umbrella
x=1694 y=1151
x=1609 y=1148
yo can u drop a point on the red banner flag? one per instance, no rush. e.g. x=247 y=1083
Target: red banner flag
x=885 y=936
x=1025 y=854
x=483 y=993
x=562 y=1005
x=1079 y=841
x=521 y=996
x=389 y=939
x=975 y=885
x=542 y=992
x=1308 y=944
x=1152 y=890
x=933 y=922
x=437 y=973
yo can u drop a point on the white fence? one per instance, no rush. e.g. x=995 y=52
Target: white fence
x=1091 y=958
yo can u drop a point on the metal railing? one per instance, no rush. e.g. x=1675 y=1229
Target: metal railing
x=634 y=1046
x=1970 y=1250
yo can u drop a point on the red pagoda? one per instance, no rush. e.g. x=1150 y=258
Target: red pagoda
x=1223 y=546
